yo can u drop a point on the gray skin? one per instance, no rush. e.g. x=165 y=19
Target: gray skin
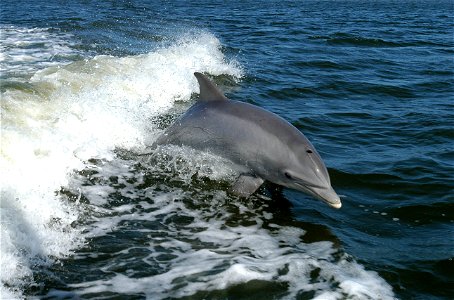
x=263 y=145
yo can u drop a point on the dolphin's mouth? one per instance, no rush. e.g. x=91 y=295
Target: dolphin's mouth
x=329 y=196
x=326 y=194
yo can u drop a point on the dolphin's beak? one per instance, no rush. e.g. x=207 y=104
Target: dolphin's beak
x=326 y=194
x=329 y=196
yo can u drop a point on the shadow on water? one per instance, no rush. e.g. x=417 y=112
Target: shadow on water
x=283 y=214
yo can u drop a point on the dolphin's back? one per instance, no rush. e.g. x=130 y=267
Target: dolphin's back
x=235 y=130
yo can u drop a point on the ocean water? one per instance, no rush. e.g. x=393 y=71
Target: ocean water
x=87 y=86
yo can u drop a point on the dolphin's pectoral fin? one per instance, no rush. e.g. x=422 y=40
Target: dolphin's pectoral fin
x=246 y=184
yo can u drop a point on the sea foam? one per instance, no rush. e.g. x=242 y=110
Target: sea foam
x=67 y=120
x=67 y=114
x=221 y=244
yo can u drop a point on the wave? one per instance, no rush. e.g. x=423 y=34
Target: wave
x=65 y=131
x=352 y=40
x=65 y=115
x=26 y=50
x=177 y=235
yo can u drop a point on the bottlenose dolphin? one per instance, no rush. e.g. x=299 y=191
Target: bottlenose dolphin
x=263 y=145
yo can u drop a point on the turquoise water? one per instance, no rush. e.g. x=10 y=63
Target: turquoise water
x=88 y=86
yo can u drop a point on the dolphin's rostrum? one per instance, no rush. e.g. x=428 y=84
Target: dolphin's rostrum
x=263 y=145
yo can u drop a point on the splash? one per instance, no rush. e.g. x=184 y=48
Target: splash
x=25 y=50
x=63 y=184
x=65 y=115
x=192 y=240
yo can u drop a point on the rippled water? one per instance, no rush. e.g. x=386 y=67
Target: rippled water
x=86 y=87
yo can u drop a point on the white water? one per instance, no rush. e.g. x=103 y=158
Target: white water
x=64 y=115
x=232 y=254
x=24 y=50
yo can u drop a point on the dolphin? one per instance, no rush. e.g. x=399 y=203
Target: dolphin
x=261 y=144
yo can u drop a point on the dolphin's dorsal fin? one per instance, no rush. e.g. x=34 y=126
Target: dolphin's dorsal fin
x=208 y=90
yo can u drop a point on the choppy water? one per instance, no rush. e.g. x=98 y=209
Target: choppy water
x=87 y=86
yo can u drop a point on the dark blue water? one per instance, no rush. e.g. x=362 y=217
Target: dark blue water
x=371 y=84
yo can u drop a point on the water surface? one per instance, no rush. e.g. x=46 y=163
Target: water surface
x=87 y=86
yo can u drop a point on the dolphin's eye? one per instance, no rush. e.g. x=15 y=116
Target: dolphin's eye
x=287 y=175
x=309 y=151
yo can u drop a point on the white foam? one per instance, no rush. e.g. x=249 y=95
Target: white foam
x=171 y=158
x=67 y=114
x=229 y=255
x=70 y=114
x=257 y=256
x=24 y=50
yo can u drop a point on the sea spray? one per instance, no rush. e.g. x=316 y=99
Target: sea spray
x=67 y=114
